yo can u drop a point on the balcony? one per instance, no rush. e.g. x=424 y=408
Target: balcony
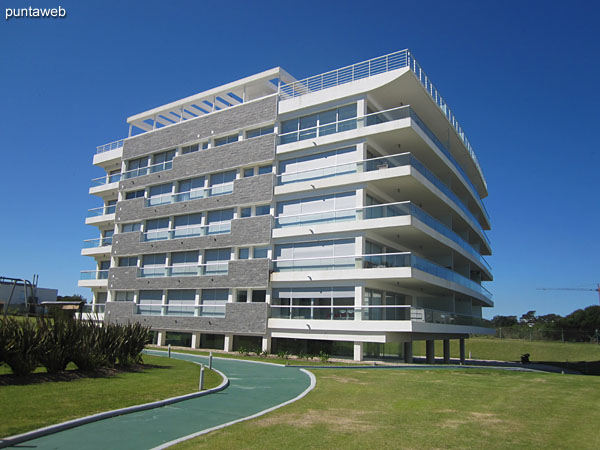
x=194 y=194
x=187 y=232
x=93 y=278
x=367 y=213
x=375 y=66
x=184 y=270
x=141 y=171
x=377 y=266
x=108 y=184
x=109 y=154
x=96 y=247
x=103 y=215
x=403 y=112
x=380 y=165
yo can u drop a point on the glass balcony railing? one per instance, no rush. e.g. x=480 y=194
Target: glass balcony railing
x=140 y=171
x=377 y=118
x=187 y=232
x=184 y=270
x=98 y=242
x=154 y=309
x=194 y=194
x=377 y=261
x=110 y=146
x=94 y=275
x=106 y=179
x=382 y=163
x=102 y=211
x=445 y=317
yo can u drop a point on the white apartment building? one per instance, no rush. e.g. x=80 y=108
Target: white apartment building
x=340 y=213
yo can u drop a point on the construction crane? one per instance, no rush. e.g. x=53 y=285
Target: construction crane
x=597 y=289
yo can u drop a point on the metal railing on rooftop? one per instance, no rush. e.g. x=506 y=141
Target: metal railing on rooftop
x=375 y=66
x=110 y=146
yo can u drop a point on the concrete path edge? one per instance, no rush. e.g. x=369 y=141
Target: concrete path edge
x=34 y=434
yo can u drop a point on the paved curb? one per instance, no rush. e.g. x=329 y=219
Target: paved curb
x=19 y=438
x=422 y=367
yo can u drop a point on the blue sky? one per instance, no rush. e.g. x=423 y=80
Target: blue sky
x=522 y=78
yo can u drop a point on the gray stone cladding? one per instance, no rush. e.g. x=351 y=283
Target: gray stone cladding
x=203 y=162
x=249 y=273
x=246 y=191
x=230 y=119
x=242 y=318
x=244 y=232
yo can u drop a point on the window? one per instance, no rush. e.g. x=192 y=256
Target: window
x=222 y=183
x=154 y=265
x=249 y=172
x=190 y=189
x=329 y=254
x=213 y=302
x=263 y=210
x=259 y=296
x=190 y=149
x=128 y=261
x=124 y=296
x=242 y=296
x=107 y=236
x=321 y=209
x=246 y=212
x=226 y=140
x=162 y=161
x=259 y=131
x=188 y=226
x=320 y=124
x=261 y=252
x=157 y=229
x=216 y=261
x=320 y=165
x=137 y=167
x=219 y=221
x=265 y=169
x=134 y=194
x=161 y=194
x=181 y=302
x=110 y=207
x=103 y=267
x=244 y=253
x=184 y=263
x=150 y=303
x=129 y=227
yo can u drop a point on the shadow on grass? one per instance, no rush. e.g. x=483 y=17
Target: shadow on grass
x=584 y=367
x=76 y=374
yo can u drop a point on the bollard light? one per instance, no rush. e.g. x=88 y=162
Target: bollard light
x=201 y=382
x=169 y=350
x=210 y=360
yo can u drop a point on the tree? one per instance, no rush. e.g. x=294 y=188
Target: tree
x=504 y=321
x=528 y=317
x=70 y=298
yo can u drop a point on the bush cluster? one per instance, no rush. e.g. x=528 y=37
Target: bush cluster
x=27 y=344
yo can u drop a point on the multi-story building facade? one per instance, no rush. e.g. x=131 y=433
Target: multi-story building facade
x=340 y=213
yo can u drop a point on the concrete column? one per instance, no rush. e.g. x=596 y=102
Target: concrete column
x=228 y=347
x=196 y=340
x=266 y=344
x=462 y=350
x=430 y=351
x=446 y=351
x=408 y=352
x=358 y=351
x=162 y=337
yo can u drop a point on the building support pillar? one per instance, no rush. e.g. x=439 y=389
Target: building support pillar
x=446 y=351
x=266 y=344
x=430 y=352
x=228 y=347
x=462 y=350
x=408 y=352
x=162 y=338
x=358 y=351
x=196 y=340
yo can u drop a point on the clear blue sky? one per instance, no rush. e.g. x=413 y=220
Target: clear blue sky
x=522 y=78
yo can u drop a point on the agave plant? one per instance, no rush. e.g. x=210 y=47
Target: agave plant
x=21 y=345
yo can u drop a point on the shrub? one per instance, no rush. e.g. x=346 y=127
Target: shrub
x=57 y=342
x=20 y=346
x=324 y=357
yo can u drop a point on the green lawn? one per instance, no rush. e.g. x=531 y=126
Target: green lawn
x=31 y=406
x=512 y=349
x=416 y=409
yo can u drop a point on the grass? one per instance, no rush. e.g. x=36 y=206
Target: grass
x=416 y=409
x=29 y=406
x=512 y=349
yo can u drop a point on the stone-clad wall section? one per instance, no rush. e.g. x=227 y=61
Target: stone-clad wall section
x=244 y=318
x=246 y=191
x=203 y=162
x=244 y=232
x=229 y=119
x=249 y=273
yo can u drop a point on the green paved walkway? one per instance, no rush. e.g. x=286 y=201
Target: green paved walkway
x=254 y=388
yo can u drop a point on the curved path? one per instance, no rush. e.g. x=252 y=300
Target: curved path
x=254 y=388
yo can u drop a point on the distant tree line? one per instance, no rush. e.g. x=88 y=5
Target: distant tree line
x=582 y=325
